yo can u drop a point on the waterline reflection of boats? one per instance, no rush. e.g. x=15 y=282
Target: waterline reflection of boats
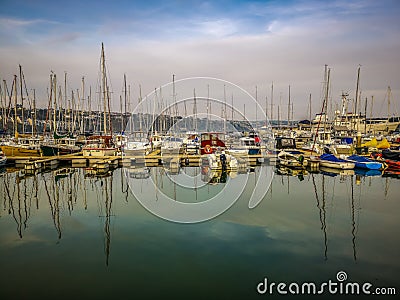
x=335 y=171
x=139 y=172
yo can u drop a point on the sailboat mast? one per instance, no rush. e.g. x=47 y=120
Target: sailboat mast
x=256 y=107
x=82 y=129
x=272 y=101
x=288 y=112
x=104 y=88
x=67 y=103
x=22 y=99
x=356 y=104
x=15 y=107
x=55 y=102
x=34 y=113
x=326 y=97
x=194 y=110
x=125 y=97
x=224 y=116
x=389 y=94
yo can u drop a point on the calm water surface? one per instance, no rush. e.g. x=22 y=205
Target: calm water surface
x=74 y=236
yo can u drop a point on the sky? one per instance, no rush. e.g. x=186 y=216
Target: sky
x=251 y=44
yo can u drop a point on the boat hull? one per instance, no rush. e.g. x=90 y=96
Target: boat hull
x=53 y=150
x=13 y=151
x=337 y=165
x=99 y=152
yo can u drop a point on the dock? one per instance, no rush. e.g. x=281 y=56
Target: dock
x=153 y=159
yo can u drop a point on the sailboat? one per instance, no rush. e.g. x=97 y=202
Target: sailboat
x=101 y=145
x=20 y=145
x=60 y=144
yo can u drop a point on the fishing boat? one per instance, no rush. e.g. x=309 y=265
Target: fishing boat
x=247 y=146
x=364 y=162
x=290 y=160
x=211 y=141
x=99 y=146
x=60 y=146
x=27 y=147
x=331 y=161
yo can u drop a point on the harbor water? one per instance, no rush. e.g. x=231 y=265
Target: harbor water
x=69 y=234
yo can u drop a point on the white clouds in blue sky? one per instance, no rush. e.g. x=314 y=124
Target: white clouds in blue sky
x=248 y=42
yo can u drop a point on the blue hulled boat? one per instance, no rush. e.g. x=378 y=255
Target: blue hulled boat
x=365 y=163
x=331 y=161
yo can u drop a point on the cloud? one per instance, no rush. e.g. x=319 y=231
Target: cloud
x=248 y=43
x=217 y=28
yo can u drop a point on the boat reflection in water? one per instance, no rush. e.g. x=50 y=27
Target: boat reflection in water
x=312 y=221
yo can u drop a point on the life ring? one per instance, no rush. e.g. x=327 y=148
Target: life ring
x=207 y=149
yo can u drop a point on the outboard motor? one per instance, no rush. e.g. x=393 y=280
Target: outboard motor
x=222 y=157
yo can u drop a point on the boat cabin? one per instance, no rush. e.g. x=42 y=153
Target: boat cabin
x=285 y=143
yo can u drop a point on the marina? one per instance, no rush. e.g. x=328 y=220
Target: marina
x=199 y=150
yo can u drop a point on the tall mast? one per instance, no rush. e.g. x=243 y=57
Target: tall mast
x=15 y=107
x=174 y=96
x=326 y=96
x=356 y=104
x=55 y=102
x=65 y=101
x=365 y=113
x=266 y=111
x=125 y=96
x=140 y=108
x=130 y=110
x=272 y=101
x=310 y=113
x=208 y=107
x=120 y=110
x=22 y=99
x=389 y=94
x=256 y=107
x=288 y=112
x=34 y=113
x=104 y=87
x=83 y=106
x=224 y=116
x=194 y=111
x=90 y=108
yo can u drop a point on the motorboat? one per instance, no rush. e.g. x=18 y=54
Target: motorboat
x=364 y=162
x=331 y=161
x=290 y=160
